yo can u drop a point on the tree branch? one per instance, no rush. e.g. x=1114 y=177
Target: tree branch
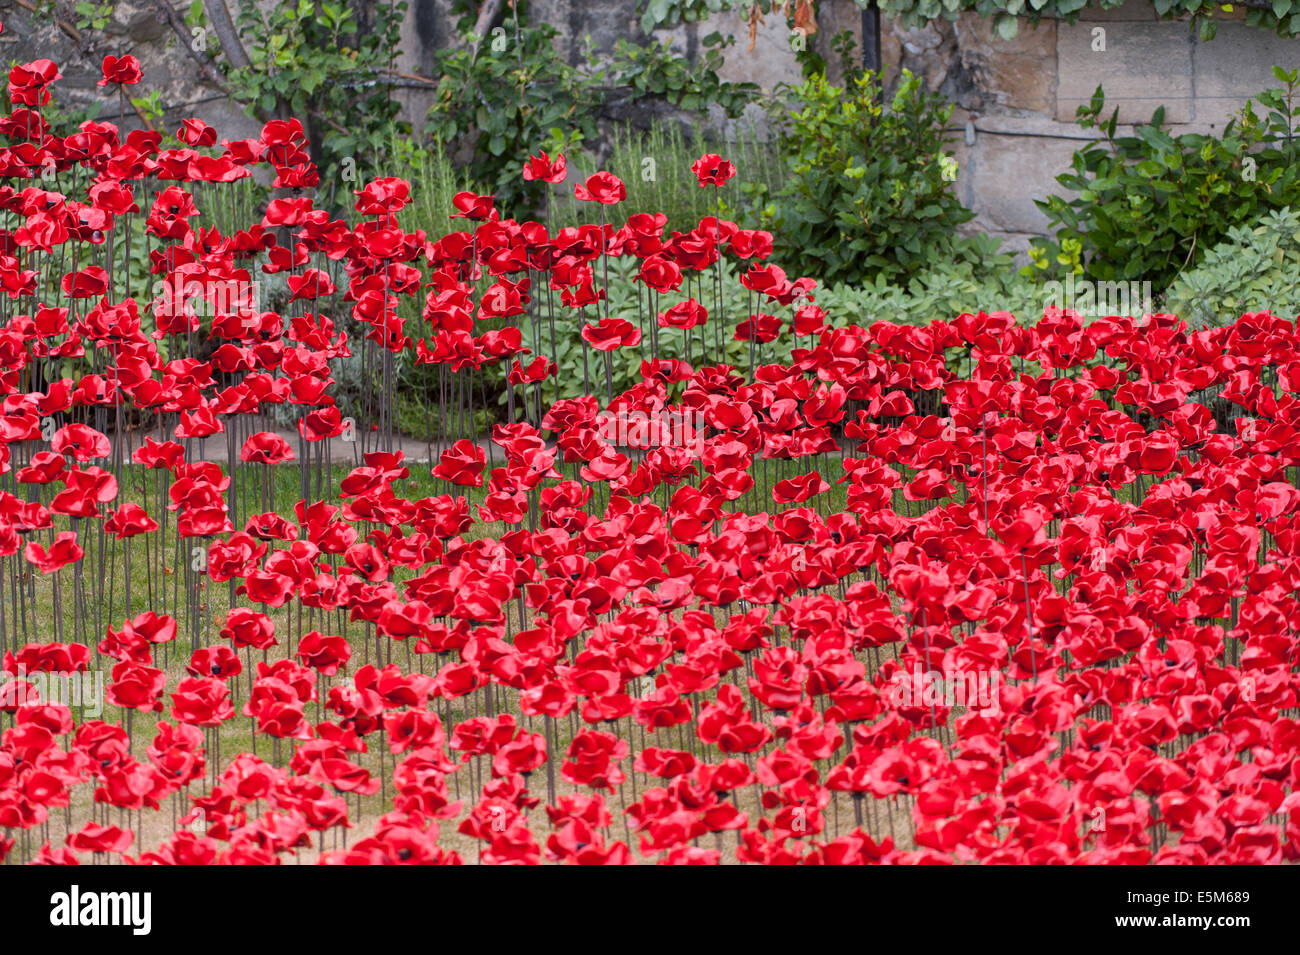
x=73 y=33
x=416 y=79
x=144 y=117
x=226 y=33
x=208 y=68
x=486 y=15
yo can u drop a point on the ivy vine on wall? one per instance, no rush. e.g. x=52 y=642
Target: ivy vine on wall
x=1280 y=16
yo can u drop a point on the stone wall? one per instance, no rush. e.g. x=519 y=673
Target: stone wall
x=1014 y=126
x=1025 y=91
x=1014 y=129
x=135 y=27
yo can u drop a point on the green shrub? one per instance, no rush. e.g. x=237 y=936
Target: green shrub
x=1148 y=206
x=868 y=186
x=502 y=99
x=1254 y=269
x=654 y=70
x=316 y=62
x=1281 y=16
x=980 y=279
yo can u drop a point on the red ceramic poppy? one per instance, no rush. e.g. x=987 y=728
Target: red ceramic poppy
x=544 y=168
x=602 y=187
x=121 y=71
x=712 y=170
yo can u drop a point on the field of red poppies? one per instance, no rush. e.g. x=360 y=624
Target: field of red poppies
x=987 y=590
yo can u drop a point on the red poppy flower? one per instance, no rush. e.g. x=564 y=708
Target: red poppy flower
x=202 y=702
x=462 y=464
x=544 y=168
x=323 y=653
x=248 y=628
x=522 y=755
x=219 y=661
x=136 y=686
x=195 y=132
x=154 y=454
x=593 y=759
x=29 y=82
x=96 y=838
x=312 y=284
x=84 y=490
x=265 y=447
x=48 y=658
x=129 y=520
x=45 y=468
x=712 y=170
x=321 y=423
x=799 y=489
x=469 y=205
x=383 y=196
x=664 y=763
x=687 y=314
x=81 y=441
x=122 y=71
x=758 y=327
x=602 y=187
x=611 y=333
x=62 y=552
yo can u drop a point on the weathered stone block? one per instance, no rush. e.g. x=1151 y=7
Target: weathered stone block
x=1139 y=65
x=773 y=59
x=1236 y=65
x=1019 y=73
x=1008 y=173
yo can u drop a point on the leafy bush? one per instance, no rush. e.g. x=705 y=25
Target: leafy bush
x=314 y=61
x=502 y=99
x=1281 y=16
x=980 y=280
x=497 y=102
x=867 y=192
x=654 y=70
x=1253 y=270
x=1148 y=205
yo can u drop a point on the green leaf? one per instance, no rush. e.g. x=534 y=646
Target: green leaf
x=656 y=12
